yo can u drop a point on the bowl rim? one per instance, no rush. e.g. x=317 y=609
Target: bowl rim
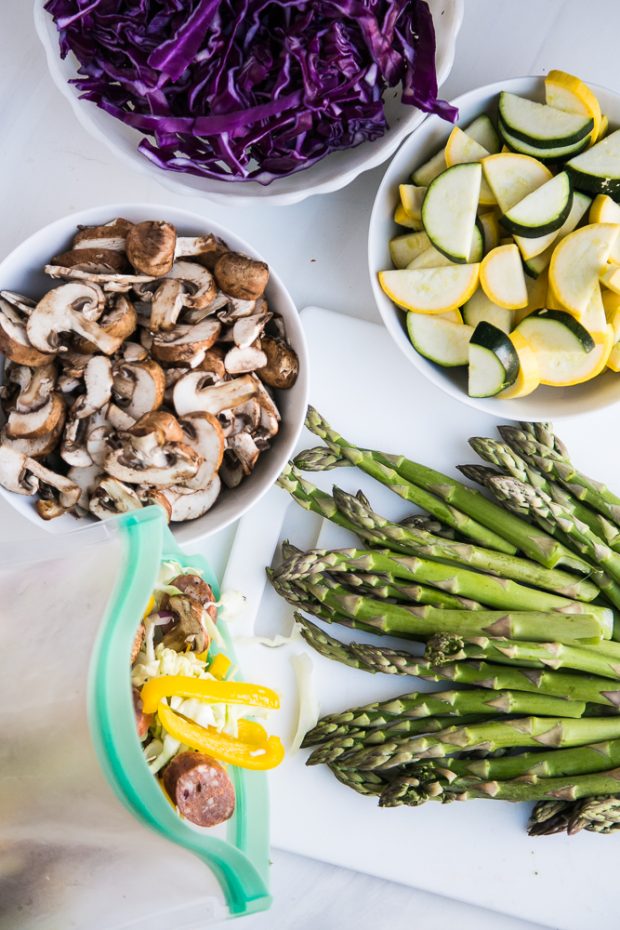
x=388 y=311
x=182 y=531
x=383 y=150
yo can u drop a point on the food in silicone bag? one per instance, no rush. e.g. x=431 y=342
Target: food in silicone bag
x=190 y=712
x=145 y=374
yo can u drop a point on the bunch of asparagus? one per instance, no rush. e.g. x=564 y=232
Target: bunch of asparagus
x=513 y=597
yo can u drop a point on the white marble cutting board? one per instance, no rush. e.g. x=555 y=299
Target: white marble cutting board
x=478 y=851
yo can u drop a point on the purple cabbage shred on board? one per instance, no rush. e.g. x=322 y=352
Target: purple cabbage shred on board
x=250 y=89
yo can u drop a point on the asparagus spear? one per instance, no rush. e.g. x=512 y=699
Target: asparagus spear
x=557 y=465
x=599 y=662
x=403 y=475
x=320 y=459
x=486 y=589
x=523 y=732
x=408 y=790
x=382 y=586
x=589 y=688
x=506 y=459
x=598 y=815
x=432 y=503
x=366 y=783
x=432 y=547
x=420 y=521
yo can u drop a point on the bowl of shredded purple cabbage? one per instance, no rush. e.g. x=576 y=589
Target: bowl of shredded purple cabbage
x=251 y=98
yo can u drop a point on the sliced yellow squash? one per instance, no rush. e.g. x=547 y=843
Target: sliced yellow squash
x=564 y=369
x=613 y=362
x=490 y=230
x=403 y=249
x=512 y=177
x=430 y=258
x=603 y=128
x=536 y=296
x=611 y=303
x=462 y=149
x=611 y=278
x=604 y=210
x=528 y=378
x=566 y=92
x=577 y=262
x=431 y=290
x=403 y=219
x=502 y=278
x=411 y=198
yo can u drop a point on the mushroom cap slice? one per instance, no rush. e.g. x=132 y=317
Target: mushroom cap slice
x=36 y=386
x=103 y=260
x=282 y=366
x=205 y=249
x=195 y=392
x=110 y=496
x=119 y=322
x=188 y=504
x=241 y=276
x=242 y=360
x=171 y=464
x=86 y=479
x=150 y=247
x=98 y=383
x=114 y=283
x=204 y=434
x=213 y=362
x=14 y=341
x=35 y=447
x=15 y=474
x=186 y=343
x=231 y=471
x=245 y=450
x=139 y=387
x=168 y=301
x=24 y=305
x=152 y=496
x=35 y=423
x=246 y=330
x=163 y=424
x=114 y=229
x=73 y=448
x=198 y=281
x=59 y=311
x=189 y=630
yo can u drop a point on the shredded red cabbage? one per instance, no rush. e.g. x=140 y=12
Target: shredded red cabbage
x=250 y=89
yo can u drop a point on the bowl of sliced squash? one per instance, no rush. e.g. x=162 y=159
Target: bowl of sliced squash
x=494 y=248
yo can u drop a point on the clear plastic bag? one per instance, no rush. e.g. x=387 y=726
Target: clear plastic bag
x=76 y=797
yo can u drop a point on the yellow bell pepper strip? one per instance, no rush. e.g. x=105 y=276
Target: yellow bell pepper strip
x=248 y=731
x=150 y=607
x=245 y=755
x=215 y=692
x=220 y=666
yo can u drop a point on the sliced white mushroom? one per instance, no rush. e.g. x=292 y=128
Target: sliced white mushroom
x=38 y=422
x=196 y=316
x=86 y=479
x=198 y=281
x=73 y=448
x=25 y=305
x=139 y=387
x=119 y=419
x=150 y=247
x=168 y=301
x=35 y=384
x=246 y=331
x=242 y=360
x=238 y=309
x=186 y=343
x=113 y=283
x=60 y=311
x=231 y=470
x=14 y=342
x=245 y=449
x=133 y=352
x=204 y=434
x=194 y=392
x=118 y=322
x=23 y=475
x=244 y=417
x=270 y=415
x=189 y=505
x=110 y=496
x=98 y=383
x=173 y=464
x=34 y=447
x=99 y=434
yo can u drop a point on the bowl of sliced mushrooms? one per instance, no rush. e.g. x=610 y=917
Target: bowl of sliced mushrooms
x=149 y=356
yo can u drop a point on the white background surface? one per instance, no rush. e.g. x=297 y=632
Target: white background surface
x=49 y=166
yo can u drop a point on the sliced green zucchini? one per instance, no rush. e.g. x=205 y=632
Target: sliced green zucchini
x=543 y=211
x=439 y=340
x=597 y=171
x=541 y=125
x=431 y=169
x=555 y=154
x=512 y=177
x=403 y=249
x=536 y=264
x=476 y=252
x=483 y=131
x=493 y=361
x=449 y=210
x=479 y=309
x=555 y=330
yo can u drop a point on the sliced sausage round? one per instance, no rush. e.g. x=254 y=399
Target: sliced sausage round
x=200 y=788
x=138 y=640
x=143 y=721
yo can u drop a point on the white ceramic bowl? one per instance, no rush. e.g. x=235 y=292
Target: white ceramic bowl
x=332 y=173
x=545 y=403
x=22 y=271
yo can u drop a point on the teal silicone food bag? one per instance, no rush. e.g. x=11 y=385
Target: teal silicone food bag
x=88 y=837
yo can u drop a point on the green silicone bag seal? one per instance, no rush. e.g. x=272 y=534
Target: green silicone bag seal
x=241 y=862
